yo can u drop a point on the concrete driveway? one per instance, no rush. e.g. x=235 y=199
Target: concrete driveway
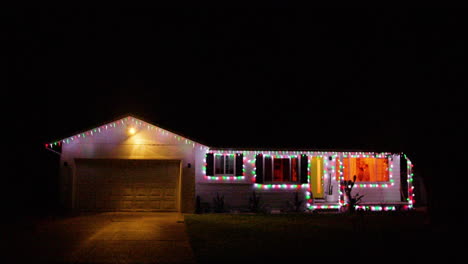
x=102 y=238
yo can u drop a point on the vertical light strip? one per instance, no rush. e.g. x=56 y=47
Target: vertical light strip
x=341 y=168
x=409 y=173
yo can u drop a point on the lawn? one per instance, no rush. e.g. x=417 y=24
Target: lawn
x=236 y=238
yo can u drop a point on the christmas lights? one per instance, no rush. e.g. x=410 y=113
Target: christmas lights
x=341 y=179
x=225 y=178
x=281 y=186
x=333 y=167
x=308 y=194
x=409 y=173
x=134 y=124
x=324 y=206
x=375 y=208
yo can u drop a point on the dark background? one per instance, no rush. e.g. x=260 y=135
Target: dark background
x=383 y=80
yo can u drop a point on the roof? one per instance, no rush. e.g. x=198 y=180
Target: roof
x=139 y=121
x=294 y=151
x=109 y=125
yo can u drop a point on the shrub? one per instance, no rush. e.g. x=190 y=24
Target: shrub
x=198 y=209
x=297 y=204
x=218 y=203
x=255 y=203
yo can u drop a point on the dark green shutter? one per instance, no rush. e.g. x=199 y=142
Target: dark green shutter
x=209 y=164
x=304 y=166
x=259 y=168
x=239 y=164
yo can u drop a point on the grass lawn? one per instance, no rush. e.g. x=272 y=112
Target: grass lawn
x=237 y=238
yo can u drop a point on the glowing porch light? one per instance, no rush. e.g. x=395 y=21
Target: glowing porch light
x=131 y=131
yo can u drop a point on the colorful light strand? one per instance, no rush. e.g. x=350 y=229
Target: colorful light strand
x=281 y=186
x=341 y=179
x=375 y=208
x=225 y=178
x=308 y=193
x=278 y=154
x=124 y=121
x=410 y=175
x=324 y=206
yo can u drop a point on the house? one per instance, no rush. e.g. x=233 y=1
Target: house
x=132 y=165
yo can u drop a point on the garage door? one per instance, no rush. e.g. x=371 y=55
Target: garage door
x=127 y=185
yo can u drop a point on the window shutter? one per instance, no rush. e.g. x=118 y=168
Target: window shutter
x=304 y=166
x=209 y=164
x=259 y=168
x=239 y=164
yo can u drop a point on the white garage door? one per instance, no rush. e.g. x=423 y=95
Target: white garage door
x=127 y=185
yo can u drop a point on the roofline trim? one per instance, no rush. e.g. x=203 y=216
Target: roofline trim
x=90 y=132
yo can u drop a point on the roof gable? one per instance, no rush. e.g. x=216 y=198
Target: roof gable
x=126 y=122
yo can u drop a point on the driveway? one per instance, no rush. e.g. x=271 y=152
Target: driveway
x=102 y=238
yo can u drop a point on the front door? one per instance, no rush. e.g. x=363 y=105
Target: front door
x=316 y=177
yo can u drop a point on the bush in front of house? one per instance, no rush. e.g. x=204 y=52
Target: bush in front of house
x=296 y=206
x=218 y=204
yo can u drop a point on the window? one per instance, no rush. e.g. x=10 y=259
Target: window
x=224 y=164
x=281 y=169
x=219 y=164
x=366 y=169
x=229 y=164
x=294 y=169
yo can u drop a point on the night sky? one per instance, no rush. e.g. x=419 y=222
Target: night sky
x=383 y=80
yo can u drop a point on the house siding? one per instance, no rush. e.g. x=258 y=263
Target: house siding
x=116 y=144
x=236 y=193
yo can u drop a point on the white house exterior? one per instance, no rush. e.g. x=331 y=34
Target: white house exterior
x=131 y=165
